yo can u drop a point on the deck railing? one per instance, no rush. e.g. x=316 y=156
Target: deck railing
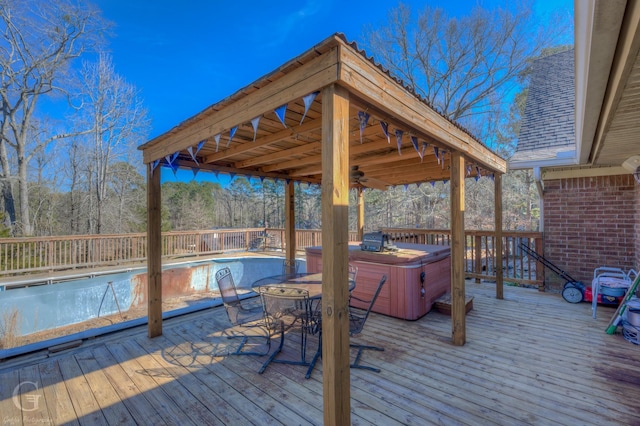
x=48 y=254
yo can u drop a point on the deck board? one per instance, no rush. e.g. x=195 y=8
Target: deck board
x=531 y=358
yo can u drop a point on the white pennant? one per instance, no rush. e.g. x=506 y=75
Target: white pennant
x=308 y=100
x=217 y=139
x=255 y=123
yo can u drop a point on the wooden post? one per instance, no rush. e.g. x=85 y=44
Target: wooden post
x=360 y=214
x=335 y=256
x=498 y=231
x=477 y=244
x=458 y=312
x=290 y=221
x=154 y=252
x=540 y=279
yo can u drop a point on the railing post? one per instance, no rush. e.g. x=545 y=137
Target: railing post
x=539 y=265
x=477 y=243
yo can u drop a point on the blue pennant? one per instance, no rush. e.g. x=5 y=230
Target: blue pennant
x=433 y=183
x=231 y=176
x=468 y=171
x=406 y=186
x=399 y=134
x=385 y=130
x=168 y=159
x=217 y=139
x=418 y=184
x=477 y=177
x=255 y=123
x=280 y=112
x=288 y=181
x=363 y=118
x=478 y=171
x=435 y=151
x=493 y=176
x=414 y=141
x=232 y=133
x=261 y=178
x=308 y=100
x=154 y=165
x=216 y=173
x=444 y=181
x=174 y=167
x=200 y=145
x=195 y=171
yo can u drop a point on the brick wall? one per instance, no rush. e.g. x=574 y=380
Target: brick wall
x=590 y=222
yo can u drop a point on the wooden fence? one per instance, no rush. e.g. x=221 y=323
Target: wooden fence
x=48 y=254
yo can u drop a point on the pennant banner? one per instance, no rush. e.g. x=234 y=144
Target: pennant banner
x=385 y=130
x=424 y=149
x=154 y=165
x=255 y=123
x=195 y=171
x=217 y=139
x=281 y=112
x=232 y=133
x=399 y=134
x=414 y=141
x=442 y=154
x=435 y=151
x=308 y=100
x=193 y=155
x=363 y=118
x=200 y=145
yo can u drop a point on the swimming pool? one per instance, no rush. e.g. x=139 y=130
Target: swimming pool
x=65 y=302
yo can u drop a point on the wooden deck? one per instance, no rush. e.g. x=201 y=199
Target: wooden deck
x=529 y=359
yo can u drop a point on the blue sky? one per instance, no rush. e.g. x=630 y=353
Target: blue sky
x=184 y=56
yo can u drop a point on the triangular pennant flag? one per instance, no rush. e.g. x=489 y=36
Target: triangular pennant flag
x=174 y=167
x=414 y=141
x=444 y=181
x=435 y=151
x=261 y=178
x=433 y=183
x=424 y=149
x=200 y=145
x=255 y=123
x=468 y=170
x=406 y=186
x=442 y=153
x=193 y=155
x=174 y=156
x=195 y=171
x=232 y=133
x=231 y=176
x=308 y=100
x=168 y=159
x=418 y=184
x=288 y=181
x=399 y=134
x=217 y=139
x=216 y=173
x=477 y=177
x=154 y=165
x=385 y=130
x=478 y=171
x=280 y=112
x=493 y=176
x=363 y=118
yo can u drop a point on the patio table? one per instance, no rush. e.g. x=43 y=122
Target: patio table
x=312 y=283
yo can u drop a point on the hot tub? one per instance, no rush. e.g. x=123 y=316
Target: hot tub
x=404 y=295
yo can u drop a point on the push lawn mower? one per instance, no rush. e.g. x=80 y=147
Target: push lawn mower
x=573 y=291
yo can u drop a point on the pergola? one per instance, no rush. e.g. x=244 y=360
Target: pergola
x=334 y=117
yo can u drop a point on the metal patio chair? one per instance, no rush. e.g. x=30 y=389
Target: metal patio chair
x=287 y=309
x=242 y=313
x=290 y=266
x=357 y=319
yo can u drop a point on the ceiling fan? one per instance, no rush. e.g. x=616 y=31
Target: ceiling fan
x=357 y=177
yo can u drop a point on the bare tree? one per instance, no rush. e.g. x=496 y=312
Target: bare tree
x=112 y=110
x=465 y=67
x=39 y=40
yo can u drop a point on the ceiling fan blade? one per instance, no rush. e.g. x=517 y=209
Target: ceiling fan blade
x=373 y=183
